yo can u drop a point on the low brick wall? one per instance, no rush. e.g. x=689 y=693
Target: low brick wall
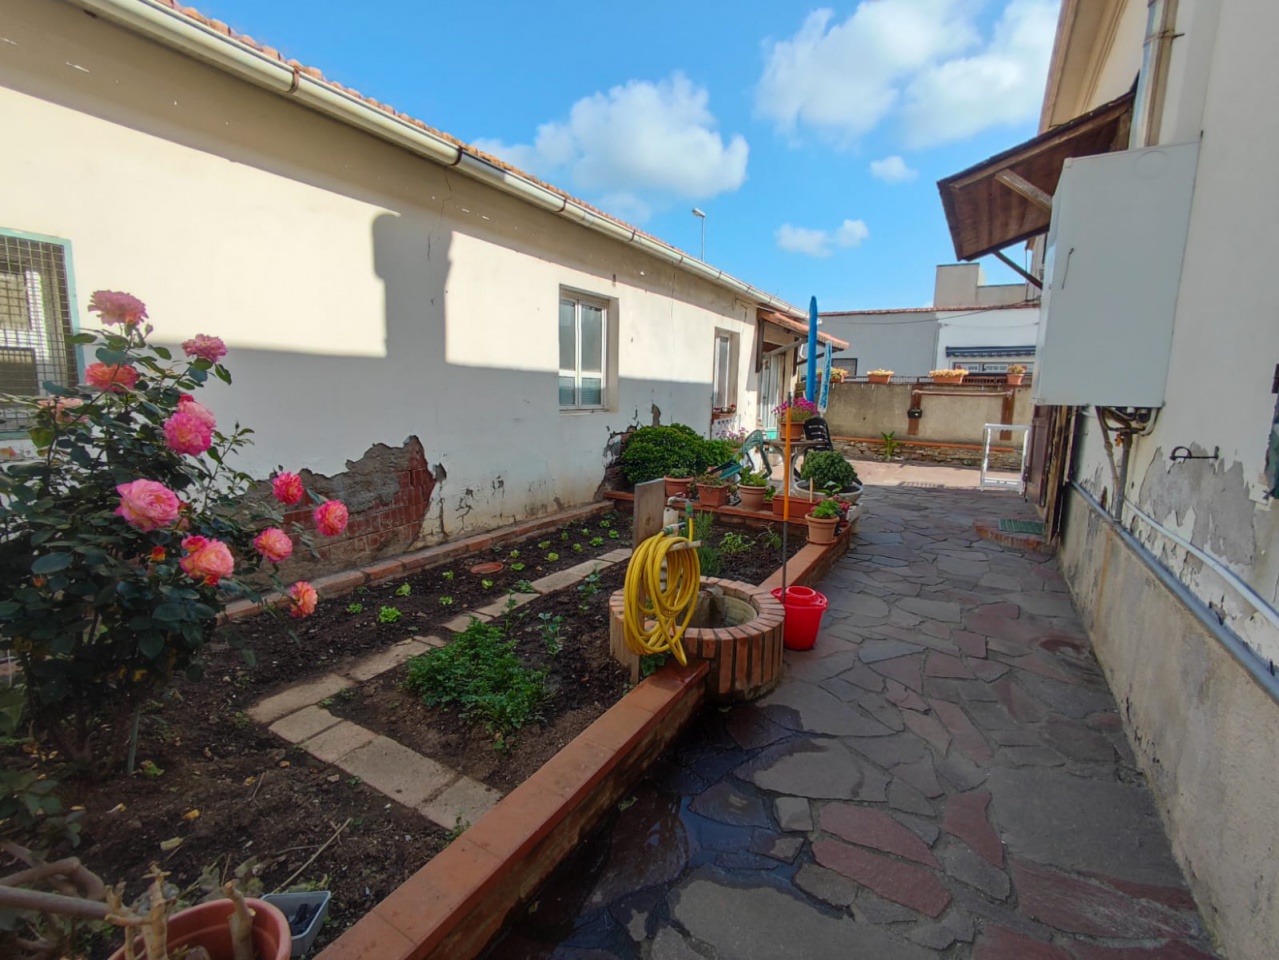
x=453 y=906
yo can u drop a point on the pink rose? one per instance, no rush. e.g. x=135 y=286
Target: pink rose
x=287 y=488
x=60 y=408
x=187 y=433
x=117 y=377
x=188 y=405
x=274 y=544
x=302 y=599
x=147 y=505
x=330 y=517
x=204 y=348
x=117 y=307
x=210 y=561
x=192 y=544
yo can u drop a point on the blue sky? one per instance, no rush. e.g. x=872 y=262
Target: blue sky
x=812 y=136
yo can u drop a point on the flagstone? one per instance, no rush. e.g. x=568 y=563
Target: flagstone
x=903 y=883
x=905 y=670
x=875 y=829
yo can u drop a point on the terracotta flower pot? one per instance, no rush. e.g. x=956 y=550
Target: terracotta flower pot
x=677 y=486
x=951 y=380
x=796 y=430
x=712 y=496
x=752 y=497
x=821 y=531
x=205 y=925
x=1015 y=379
x=879 y=378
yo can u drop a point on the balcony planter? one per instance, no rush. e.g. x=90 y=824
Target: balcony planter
x=951 y=377
x=879 y=378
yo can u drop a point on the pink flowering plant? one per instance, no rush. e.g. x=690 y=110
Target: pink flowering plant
x=123 y=542
x=801 y=409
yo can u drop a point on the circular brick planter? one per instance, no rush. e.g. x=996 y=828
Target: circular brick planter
x=745 y=657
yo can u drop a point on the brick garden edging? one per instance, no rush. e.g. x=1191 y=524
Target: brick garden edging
x=338 y=584
x=452 y=907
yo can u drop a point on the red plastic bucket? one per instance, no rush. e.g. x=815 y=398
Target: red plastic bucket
x=804 y=608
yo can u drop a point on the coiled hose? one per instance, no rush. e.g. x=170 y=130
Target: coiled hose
x=656 y=616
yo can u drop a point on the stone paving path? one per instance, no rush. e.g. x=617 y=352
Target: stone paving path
x=945 y=775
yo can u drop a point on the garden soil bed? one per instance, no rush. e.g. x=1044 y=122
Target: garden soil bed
x=257 y=799
x=584 y=680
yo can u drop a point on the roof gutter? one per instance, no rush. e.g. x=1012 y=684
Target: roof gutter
x=161 y=23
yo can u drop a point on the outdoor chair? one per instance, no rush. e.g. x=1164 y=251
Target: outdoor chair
x=817 y=432
x=752 y=456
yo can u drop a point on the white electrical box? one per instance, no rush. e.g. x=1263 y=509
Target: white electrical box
x=1112 y=270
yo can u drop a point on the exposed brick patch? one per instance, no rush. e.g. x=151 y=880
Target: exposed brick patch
x=965 y=817
x=1017 y=541
x=1079 y=906
x=903 y=883
x=871 y=828
x=999 y=943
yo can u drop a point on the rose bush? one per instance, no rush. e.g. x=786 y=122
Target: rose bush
x=123 y=542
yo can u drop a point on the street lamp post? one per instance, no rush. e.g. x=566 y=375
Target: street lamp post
x=701 y=215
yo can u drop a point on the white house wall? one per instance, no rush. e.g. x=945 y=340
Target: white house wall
x=1225 y=341
x=366 y=295
x=988 y=328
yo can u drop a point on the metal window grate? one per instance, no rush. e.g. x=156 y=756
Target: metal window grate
x=35 y=323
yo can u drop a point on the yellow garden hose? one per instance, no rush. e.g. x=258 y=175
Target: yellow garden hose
x=668 y=609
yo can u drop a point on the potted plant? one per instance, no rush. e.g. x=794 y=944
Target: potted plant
x=751 y=488
x=712 y=489
x=948 y=376
x=838 y=375
x=800 y=409
x=678 y=481
x=1016 y=373
x=829 y=472
x=879 y=376
x=823 y=521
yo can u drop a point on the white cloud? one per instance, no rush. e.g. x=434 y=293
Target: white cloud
x=820 y=243
x=892 y=170
x=843 y=79
x=924 y=63
x=638 y=144
x=1003 y=84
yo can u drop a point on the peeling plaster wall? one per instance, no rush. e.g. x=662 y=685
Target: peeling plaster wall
x=1225 y=339
x=1202 y=731
x=367 y=295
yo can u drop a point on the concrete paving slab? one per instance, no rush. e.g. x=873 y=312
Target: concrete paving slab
x=393 y=769
x=296 y=697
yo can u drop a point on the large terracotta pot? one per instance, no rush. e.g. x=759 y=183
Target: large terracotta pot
x=796 y=430
x=677 y=487
x=205 y=925
x=820 y=530
x=752 y=497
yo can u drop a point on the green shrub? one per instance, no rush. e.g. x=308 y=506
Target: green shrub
x=654 y=452
x=825 y=467
x=479 y=674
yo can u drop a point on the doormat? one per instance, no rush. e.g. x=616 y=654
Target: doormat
x=1035 y=527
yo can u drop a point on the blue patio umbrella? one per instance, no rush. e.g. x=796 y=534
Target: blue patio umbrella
x=810 y=382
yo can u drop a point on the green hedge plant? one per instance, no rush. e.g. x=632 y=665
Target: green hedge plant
x=828 y=470
x=654 y=452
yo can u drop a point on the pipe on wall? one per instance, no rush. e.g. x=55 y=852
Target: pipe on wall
x=1243 y=654
x=200 y=41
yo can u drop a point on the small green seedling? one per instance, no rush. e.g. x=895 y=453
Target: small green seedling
x=355 y=608
x=564 y=535
x=486 y=583
x=403 y=590
x=523 y=586
x=388 y=615
x=446 y=601
x=597 y=541
x=577 y=548
x=605 y=524
x=552 y=557
x=514 y=554
x=149 y=769
x=517 y=566
x=447 y=574
x=544 y=545
x=613 y=535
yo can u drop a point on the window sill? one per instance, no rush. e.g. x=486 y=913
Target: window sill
x=583 y=411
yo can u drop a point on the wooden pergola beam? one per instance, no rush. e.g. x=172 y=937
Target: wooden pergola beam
x=1016 y=268
x=1023 y=187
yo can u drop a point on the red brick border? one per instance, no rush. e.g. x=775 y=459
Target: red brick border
x=453 y=906
x=337 y=584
